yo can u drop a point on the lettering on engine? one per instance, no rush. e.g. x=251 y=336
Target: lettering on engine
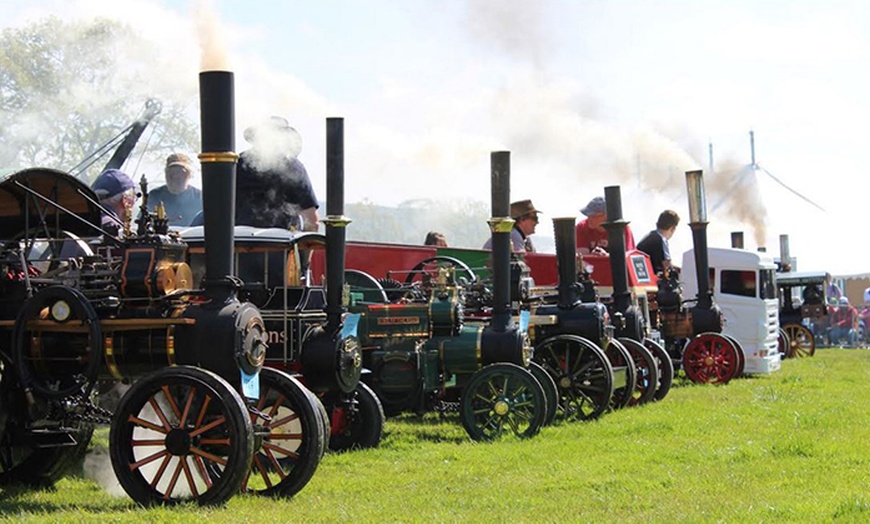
x=394 y=321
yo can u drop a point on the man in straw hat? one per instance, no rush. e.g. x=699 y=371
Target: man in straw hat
x=525 y=221
x=272 y=185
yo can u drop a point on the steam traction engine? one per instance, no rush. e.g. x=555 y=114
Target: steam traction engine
x=283 y=274
x=424 y=353
x=197 y=411
x=693 y=335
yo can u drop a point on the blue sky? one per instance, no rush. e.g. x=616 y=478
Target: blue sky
x=584 y=94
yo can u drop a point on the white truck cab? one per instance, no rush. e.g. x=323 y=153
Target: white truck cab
x=744 y=287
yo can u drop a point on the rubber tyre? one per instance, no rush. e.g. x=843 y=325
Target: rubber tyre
x=621 y=361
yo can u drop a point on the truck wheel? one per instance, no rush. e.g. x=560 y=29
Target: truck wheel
x=502 y=399
x=181 y=434
x=290 y=451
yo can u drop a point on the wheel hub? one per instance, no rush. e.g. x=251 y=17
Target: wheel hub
x=565 y=382
x=501 y=407
x=178 y=442
x=709 y=361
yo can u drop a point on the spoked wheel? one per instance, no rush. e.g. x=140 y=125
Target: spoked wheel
x=361 y=282
x=57 y=343
x=502 y=399
x=710 y=358
x=38 y=458
x=624 y=374
x=430 y=266
x=358 y=420
x=646 y=372
x=550 y=390
x=181 y=434
x=293 y=444
x=665 y=365
x=782 y=344
x=582 y=373
x=802 y=341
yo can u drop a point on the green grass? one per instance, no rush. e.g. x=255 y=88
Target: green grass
x=793 y=446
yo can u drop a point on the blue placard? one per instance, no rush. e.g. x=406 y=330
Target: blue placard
x=525 y=316
x=351 y=321
x=251 y=385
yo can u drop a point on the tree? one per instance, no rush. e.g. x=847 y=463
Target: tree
x=66 y=88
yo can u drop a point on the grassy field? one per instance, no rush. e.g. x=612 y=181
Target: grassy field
x=794 y=446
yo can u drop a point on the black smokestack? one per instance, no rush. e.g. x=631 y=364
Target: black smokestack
x=335 y=222
x=501 y=224
x=615 y=227
x=218 y=158
x=698 y=223
x=566 y=257
x=737 y=239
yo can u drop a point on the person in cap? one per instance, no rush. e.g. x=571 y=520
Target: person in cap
x=844 y=324
x=116 y=192
x=591 y=237
x=181 y=200
x=272 y=185
x=655 y=243
x=525 y=221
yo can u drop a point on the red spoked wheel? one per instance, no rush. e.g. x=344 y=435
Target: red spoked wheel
x=710 y=358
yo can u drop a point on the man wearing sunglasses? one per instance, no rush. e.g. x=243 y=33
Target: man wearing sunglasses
x=525 y=221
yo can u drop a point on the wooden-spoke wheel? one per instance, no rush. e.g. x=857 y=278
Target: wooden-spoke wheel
x=502 y=399
x=646 y=372
x=181 y=434
x=550 y=390
x=802 y=343
x=624 y=373
x=782 y=344
x=293 y=441
x=358 y=420
x=665 y=366
x=582 y=373
x=710 y=358
x=428 y=268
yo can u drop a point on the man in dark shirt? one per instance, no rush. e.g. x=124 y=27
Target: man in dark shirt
x=181 y=200
x=272 y=186
x=655 y=243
